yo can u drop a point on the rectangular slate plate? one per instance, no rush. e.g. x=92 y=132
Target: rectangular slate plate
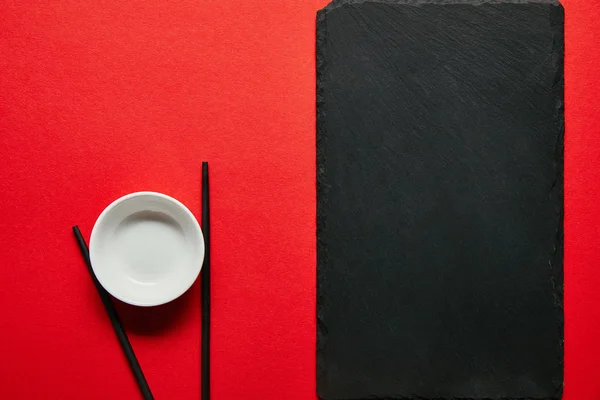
x=440 y=200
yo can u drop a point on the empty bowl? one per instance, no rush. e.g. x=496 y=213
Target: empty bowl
x=146 y=249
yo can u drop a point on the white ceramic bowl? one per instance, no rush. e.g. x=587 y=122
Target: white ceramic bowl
x=146 y=249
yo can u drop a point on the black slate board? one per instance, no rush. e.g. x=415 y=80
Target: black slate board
x=440 y=200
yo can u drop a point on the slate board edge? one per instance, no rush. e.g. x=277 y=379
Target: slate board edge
x=339 y=3
x=557 y=260
x=321 y=39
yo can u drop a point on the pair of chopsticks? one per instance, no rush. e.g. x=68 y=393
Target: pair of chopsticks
x=205 y=299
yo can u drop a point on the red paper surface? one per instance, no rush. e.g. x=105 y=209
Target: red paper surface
x=102 y=98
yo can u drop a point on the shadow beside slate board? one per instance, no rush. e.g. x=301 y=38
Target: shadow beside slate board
x=440 y=200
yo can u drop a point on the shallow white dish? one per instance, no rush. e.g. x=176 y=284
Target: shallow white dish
x=146 y=249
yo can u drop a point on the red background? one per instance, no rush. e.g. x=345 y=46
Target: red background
x=101 y=98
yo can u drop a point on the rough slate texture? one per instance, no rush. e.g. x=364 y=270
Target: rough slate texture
x=440 y=200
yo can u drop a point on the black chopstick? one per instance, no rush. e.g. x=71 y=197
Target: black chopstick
x=114 y=319
x=205 y=352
